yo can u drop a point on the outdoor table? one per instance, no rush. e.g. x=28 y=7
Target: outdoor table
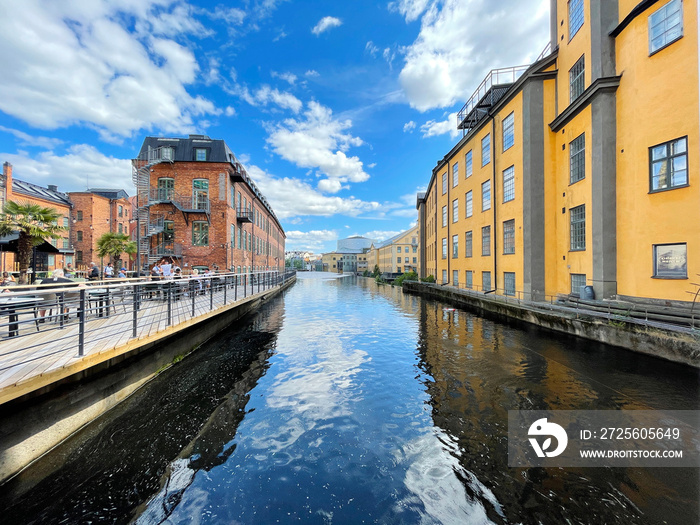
x=11 y=305
x=100 y=296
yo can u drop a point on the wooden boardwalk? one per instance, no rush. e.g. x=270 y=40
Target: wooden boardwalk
x=35 y=359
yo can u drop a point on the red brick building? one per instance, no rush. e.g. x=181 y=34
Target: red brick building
x=96 y=212
x=52 y=254
x=197 y=205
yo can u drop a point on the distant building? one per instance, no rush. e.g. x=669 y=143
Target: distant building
x=96 y=212
x=400 y=254
x=197 y=205
x=353 y=244
x=54 y=253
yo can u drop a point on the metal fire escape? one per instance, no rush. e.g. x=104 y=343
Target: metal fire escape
x=141 y=175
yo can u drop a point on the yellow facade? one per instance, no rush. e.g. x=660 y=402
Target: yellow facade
x=604 y=155
x=399 y=254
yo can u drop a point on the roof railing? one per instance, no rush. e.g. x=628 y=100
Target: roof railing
x=496 y=77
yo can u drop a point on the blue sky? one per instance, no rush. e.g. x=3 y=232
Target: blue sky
x=338 y=110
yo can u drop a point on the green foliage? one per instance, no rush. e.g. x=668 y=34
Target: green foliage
x=378 y=279
x=408 y=276
x=112 y=244
x=376 y=272
x=429 y=279
x=34 y=224
x=366 y=273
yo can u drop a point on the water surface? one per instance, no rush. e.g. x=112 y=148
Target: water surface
x=348 y=402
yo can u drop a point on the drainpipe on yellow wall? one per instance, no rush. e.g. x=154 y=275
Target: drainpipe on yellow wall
x=494 y=284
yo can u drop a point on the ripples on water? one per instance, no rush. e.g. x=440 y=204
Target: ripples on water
x=345 y=402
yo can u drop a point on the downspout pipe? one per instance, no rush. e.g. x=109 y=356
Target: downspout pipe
x=494 y=243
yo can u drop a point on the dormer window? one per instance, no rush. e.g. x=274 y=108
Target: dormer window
x=167 y=153
x=200 y=154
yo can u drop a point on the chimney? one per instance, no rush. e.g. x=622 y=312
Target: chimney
x=6 y=191
x=53 y=187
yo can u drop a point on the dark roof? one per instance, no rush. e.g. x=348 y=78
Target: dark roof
x=184 y=148
x=28 y=189
x=109 y=193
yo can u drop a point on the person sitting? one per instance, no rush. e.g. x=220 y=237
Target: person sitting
x=166 y=268
x=69 y=271
x=7 y=279
x=122 y=273
x=93 y=272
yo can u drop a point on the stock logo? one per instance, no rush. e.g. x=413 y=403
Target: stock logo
x=542 y=428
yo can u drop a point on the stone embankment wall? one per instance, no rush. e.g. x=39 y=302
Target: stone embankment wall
x=673 y=345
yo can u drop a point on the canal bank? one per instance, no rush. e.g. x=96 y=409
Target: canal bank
x=680 y=346
x=42 y=412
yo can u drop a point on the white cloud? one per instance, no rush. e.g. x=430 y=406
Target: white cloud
x=265 y=95
x=230 y=111
x=293 y=198
x=433 y=128
x=312 y=73
x=319 y=141
x=461 y=40
x=409 y=127
x=371 y=48
x=312 y=241
x=410 y=9
x=380 y=235
x=287 y=76
x=67 y=63
x=25 y=139
x=82 y=166
x=326 y=23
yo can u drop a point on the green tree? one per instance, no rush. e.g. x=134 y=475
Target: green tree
x=377 y=272
x=34 y=224
x=429 y=279
x=408 y=276
x=112 y=244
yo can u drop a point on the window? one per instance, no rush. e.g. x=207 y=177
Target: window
x=415 y=260
x=444 y=183
x=455 y=174
x=509 y=283
x=577 y=217
x=166 y=186
x=121 y=211
x=66 y=244
x=455 y=246
x=509 y=237
x=577 y=281
x=671 y=261
x=468 y=203
x=509 y=131
x=669 y=165
x=200 y=194
x=444 y=277
x=79 y=257
x=575 y=17
x=51 y=260
x=455 y=277
x=121 y=228
x=233 y=236
x=65 y=222
x=468 y=279
x=486 y=150
x=79 y=236
x=405 y=260
x=79 y=215
x=444 y=216
x=398 y=249
x=665 y=25
x=455 y=210
x=200 y=233
x=486 y=281
x=577 y=79
x=398 y=260
x=167 y=153
x=577 y=159
x=468 y=167
x=468 y=244
x=200 y=154
x=509 y=184
x=486 y=240
x=444 y=248
x=486 y=196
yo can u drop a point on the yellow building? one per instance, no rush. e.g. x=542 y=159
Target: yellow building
x=399 y=254
x=581 y=169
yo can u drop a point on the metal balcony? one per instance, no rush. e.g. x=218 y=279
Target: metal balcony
x=244 y=214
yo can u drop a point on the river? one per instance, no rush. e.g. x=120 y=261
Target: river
x=345 y=402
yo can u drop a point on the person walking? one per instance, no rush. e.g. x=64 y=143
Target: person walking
x=109 y=271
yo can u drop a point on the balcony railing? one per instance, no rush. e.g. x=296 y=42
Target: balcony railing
x=244 y=214
x=198 y=202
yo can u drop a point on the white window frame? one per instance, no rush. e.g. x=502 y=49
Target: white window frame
x=662 y=17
